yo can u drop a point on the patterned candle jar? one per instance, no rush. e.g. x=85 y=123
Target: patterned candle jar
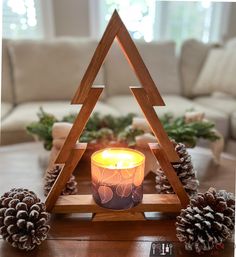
x=117 y=177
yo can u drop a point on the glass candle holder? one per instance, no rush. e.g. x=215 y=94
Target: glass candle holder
x=117 y=177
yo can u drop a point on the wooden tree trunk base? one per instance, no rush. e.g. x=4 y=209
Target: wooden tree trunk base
x=118 y=216
x=86 y=204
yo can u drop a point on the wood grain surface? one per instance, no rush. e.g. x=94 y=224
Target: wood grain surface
x=97 y=59
x=79 y=123
x=155 y=124
x=73 y=235
x=135 y=60
x=85 y=203
x=170 y=174
x=64 y=175
x=116 y=28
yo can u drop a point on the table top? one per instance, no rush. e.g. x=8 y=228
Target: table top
x=74 y=235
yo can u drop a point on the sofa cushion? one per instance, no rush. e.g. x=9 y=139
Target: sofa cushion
x=50 y=70
x=160 y=60
x=218 y=73
x=231 y=43
x=5 y=109
x=174 y=104
x=192 y=58
x=224 y=104
x=233 y=125
x=7 y=83
x=13 y=126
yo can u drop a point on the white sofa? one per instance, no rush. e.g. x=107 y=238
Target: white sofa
x=47 y=73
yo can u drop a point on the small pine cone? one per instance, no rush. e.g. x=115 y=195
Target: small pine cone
x=207 y=221
x=184 y=170
x=23 y=219
x=51 y=176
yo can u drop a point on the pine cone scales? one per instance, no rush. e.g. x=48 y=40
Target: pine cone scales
x=207 y=221
x=184 y=170
x=51 y=176
x=23 y=219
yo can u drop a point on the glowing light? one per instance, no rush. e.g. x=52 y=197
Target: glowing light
x=118 y=158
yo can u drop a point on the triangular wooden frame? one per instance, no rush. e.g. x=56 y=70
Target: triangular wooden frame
x=147 y=97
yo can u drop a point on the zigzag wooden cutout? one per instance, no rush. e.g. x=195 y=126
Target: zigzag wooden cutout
x=147 y=97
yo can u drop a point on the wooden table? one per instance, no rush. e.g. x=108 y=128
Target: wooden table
x=73 y=235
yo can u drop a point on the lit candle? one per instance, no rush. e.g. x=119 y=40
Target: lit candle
x=117 y=177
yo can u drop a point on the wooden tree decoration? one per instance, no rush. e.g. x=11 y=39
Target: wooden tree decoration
x=147 y=96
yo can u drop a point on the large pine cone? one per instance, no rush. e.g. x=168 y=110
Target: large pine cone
x=207 y=221
x=23 y=219
x=184 y=170
x=51 y=176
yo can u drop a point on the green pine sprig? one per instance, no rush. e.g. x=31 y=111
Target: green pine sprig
x=42 y=129
x=188 y=133
x=110 y=128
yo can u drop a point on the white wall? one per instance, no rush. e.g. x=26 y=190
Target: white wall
x=71 y=18
x=232 y=22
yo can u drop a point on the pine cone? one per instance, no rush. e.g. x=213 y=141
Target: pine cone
x=207 y=221
x=184 y=170
x=51 y=176
x=23 y=219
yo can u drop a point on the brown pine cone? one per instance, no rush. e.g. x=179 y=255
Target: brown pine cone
x=184 y=170
x=23 y=219
x=51 y=176
x=207 y=221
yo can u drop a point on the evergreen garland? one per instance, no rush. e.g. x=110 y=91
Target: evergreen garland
x=110 y=128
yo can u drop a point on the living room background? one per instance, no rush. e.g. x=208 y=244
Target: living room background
x=137 y=115
x=187 y=46
x=150 y=20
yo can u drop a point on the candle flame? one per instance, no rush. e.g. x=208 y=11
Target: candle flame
x=118 y=158
x=105 y=154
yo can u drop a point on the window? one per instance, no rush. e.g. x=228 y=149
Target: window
x=161 y=20
x=138 y=16
x=198 y=20
x=22 y=19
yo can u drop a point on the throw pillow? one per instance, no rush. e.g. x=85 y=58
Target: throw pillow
x=218 y=73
